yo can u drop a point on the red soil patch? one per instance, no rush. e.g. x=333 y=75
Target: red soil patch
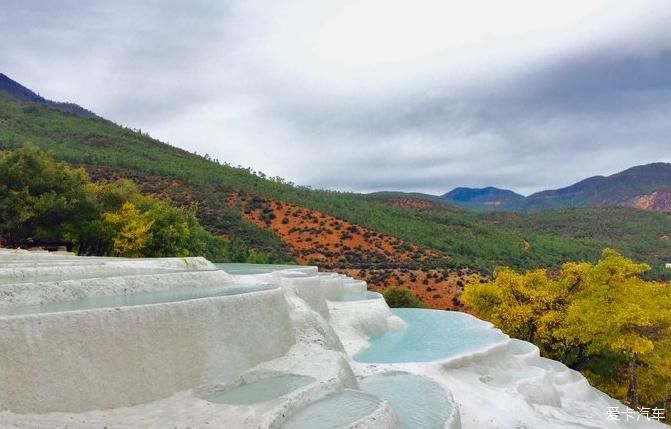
x=330 y=242
x=439 y=289
x=660 y=201
x=336 y=244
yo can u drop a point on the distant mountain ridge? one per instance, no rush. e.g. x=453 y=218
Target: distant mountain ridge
x=490 y=197
x=20 y=92
x=645 y=186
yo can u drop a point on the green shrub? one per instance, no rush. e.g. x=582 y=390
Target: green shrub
x=400 y=297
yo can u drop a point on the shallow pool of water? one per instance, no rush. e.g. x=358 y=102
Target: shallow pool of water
x=248 y=269
x=261 y=390
x=338 y=410
x=419 y=402
x=142 y=298
x=430 y=335
x=356 y=296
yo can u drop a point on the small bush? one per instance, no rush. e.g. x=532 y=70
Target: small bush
x=400 y=297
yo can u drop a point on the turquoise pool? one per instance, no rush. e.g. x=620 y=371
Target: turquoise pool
x=430 y=335
x=239 y=269
x=261 y=390
x=336 y=411
x=419 y=402
x=141 y=298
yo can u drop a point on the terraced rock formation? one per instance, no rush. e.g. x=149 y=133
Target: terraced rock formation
x=180 y=342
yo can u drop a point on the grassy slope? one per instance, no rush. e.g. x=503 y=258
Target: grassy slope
x=478 y=240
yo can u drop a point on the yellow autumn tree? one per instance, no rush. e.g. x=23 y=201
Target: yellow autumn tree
x=130 y=230
x=516 y=303
x=603 y=319
x=616 y=312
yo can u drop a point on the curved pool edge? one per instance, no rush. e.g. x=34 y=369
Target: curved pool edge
x=448 y=418
x=455 y=361
x=377 y=413
x=258 y=391
x=383 y=417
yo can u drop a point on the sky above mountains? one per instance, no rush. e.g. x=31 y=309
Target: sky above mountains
x=367 y=95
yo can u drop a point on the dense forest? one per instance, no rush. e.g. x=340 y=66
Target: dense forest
x=480 y=241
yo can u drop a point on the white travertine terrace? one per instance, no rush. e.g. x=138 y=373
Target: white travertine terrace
x=43 y=292
x=120 y=343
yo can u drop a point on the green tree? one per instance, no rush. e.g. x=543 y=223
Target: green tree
x=254 y=257
x=41 y=199
x=169 y=232
x=399 y=297
x=111 y=196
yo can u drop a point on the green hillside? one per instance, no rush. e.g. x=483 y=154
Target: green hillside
x=479 y=240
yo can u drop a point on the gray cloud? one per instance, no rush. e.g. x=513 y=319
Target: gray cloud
x=206 y=76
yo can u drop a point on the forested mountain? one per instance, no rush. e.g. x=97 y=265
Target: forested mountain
x=20 y=92
x=489 y=197
x=646 y=187
x=274 y=221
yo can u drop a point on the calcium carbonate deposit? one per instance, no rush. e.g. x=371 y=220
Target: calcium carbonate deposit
x=181 y=342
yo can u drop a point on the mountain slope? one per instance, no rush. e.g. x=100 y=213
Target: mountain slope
x=411 y=200
x=20 y=92
x=488 y=197
x=627 y=188
x=460 y=238
x=645 y=187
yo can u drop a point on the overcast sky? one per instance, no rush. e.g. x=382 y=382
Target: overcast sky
x=366 y=95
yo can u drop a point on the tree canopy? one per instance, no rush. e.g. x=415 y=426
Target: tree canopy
x=603 y=319
x=40 y=199
x=45 y=200
x=400 y=297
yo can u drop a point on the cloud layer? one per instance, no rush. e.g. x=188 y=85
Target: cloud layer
x=367 y=95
